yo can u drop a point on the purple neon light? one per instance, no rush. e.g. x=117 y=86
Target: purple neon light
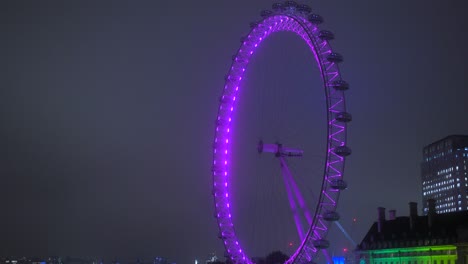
x=293 y=21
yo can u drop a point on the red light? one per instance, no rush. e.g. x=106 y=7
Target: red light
x=354 y=220
x=290 y=244
x=345 y=250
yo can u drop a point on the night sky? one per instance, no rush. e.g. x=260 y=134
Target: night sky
x=108 y=107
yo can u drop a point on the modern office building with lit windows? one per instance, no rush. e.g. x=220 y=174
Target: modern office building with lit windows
x=444 y=174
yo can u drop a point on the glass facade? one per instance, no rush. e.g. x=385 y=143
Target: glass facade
x=444 y=174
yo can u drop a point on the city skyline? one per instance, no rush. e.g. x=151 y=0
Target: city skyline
x=108 y=115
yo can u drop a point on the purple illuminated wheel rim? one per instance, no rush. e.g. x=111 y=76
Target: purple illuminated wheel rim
x=294 y=18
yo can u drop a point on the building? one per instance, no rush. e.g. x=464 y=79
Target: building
x=430 y=239
x=444 y=174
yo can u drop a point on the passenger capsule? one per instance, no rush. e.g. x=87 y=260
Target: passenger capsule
x=331 y=216
x=221 y=215
x=338 y=184
x=326 y=35
x=229 y=78
x=335 y=57
x=304 y=8
x=290 y=4
x=266 y=13
x=222 y=122
x=217 y=194
x=217 y=215
x=241 y=58
x=342 y=151
x=225 y=99
x=253 y=24
x=343 y=117
x=315 y=19
x=321 y=244
x=221 y=236
x=278 y=6
x=216 y=168
x=340 y=85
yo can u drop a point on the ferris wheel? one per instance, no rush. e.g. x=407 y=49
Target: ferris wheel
x=298 y=19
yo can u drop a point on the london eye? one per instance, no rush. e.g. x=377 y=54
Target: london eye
x=312 y=219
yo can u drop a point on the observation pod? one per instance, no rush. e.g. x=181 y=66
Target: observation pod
x=304 y=8
x=266 y=13
x=229 y=78
x=278 y=7
x=331 y=216
x=335 y=57
x=315 y=19
x=216 y=191
x=253 y=24
x=338 y=184
x=225 y=99
x=326 y=35
x=344 y=117
x=340 y=85
x=221 y=122
x=290 y=4
x=221 y=236
x=342 y=151
x=241 y=59
x=321 y=244
x=216 y=169
x=222 y=215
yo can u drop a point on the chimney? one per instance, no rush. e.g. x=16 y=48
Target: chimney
x=413 y=214
x=381 y=219
x=431 y=205
x=391 y=214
